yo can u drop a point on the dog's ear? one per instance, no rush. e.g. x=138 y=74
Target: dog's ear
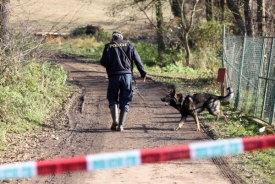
x=172 y=91
x=174 y=94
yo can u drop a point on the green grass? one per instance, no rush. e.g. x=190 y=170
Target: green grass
x=252 y=167
x=28 y=101
x=88 y=48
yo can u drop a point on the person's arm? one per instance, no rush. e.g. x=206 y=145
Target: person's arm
x=139 y=64
x=104 y=57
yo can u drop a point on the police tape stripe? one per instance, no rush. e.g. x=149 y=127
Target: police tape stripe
x=198 y=150
x=58 y=166
x=211 y=149
x=18 y=170
x=113 y=160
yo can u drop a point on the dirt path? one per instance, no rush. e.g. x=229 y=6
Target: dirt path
x=148 y=125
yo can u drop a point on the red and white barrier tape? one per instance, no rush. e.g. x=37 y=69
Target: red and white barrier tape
x=205 y=149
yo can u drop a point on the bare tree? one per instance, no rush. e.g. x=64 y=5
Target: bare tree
x=223 y=8
x=4 y=20
x=261 y=16
x=209 y=10
x=237 y=15
x=270 y=16
x=186 y=26
x=248 y=17
x=143 y=7
x=160 y=23
x=176 y=7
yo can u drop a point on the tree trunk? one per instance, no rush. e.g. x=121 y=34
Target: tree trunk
x=223 y=8
x=176 y=7
x=209 y=10
x=236 y=13
x=4 y=21
x=248 y=17
x=261 y=16
x=187 y=16
x=220 y=5
x=160 y=23
x=188 y=58
x=188 y=24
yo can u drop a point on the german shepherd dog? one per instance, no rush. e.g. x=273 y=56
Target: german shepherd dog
x=196 y=103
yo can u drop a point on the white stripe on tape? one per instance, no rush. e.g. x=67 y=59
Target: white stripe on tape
x=18 y=170
x=217 y=148
x=113 y=160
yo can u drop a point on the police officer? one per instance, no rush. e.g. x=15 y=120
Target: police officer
x=118 y=58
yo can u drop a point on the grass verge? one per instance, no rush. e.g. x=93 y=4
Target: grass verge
x=30 y=99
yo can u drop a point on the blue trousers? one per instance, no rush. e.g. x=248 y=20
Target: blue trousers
x=120 y=91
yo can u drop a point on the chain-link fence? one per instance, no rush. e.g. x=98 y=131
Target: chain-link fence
x=250 y=64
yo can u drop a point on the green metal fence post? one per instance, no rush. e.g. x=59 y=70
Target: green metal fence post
x=237 y=101
x=271 y=118
x=223 y=59
x=223 y=44
x=267 y=76
x=261 y=65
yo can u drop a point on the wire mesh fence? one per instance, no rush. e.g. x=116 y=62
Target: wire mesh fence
x=250 y=65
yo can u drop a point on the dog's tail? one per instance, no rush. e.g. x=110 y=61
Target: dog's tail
x=229 y=95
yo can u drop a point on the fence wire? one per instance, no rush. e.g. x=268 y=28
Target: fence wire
x=250 y=65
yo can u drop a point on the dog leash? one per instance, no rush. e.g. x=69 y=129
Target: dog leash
x=132 y=68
